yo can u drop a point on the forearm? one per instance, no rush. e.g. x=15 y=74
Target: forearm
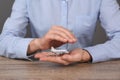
x=13 y=47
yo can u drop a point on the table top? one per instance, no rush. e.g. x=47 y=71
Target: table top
x=11 y=69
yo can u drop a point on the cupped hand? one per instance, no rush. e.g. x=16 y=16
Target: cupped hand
x=56 y=37
x=76 y=55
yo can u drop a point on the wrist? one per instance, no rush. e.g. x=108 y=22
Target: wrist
x=34 y=46
x=86 y=56
x=38 y=43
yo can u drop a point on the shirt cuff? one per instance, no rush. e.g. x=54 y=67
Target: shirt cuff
x=98 y=54
x=22 y=47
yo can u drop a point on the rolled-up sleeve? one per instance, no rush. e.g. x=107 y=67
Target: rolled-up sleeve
x=110 y=20
x=12 y=41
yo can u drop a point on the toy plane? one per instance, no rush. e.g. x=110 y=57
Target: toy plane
x=58 y=51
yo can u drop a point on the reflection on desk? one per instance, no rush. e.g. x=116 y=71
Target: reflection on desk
x=25 y=70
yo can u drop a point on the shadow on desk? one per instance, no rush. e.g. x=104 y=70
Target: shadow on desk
x=26 y=70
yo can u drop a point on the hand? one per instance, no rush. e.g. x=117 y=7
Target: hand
x=55 y=37
x=76 y=55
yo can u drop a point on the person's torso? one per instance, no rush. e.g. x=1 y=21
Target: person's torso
x=79 y=16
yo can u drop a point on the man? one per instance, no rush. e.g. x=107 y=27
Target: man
x=67 y=24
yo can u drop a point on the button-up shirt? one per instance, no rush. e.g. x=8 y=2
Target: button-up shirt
x=78 y=16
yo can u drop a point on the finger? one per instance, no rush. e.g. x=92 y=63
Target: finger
x=67 y=32
x=51 y=35
x=58 y=38
x=62 y=34
x=54 y=59
x=43 y=54
x=58 y=35
x=68 y=58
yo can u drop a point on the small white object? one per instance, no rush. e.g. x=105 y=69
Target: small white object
x=58 y=52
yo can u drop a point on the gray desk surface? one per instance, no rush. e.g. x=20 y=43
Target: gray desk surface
x=25 y=70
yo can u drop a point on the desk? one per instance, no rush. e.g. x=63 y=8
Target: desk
x=25 y=70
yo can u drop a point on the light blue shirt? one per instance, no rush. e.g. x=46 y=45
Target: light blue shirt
x=79 y=16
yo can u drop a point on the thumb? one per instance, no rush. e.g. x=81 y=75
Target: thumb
x=68 y=58
x=72 y=58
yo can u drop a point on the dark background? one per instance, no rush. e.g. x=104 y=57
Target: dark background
x=5 y=10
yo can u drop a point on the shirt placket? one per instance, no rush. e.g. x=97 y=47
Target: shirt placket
x=64 y=16
x=64 y=13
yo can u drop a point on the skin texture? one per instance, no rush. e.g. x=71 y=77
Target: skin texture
x=56 y=37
